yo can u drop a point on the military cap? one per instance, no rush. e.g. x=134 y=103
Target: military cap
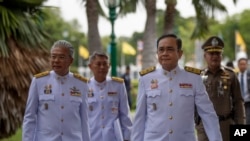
x=213 y=44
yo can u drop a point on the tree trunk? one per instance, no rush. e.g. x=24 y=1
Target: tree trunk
x=149 y=37
x=94 y=40
x=169 y=16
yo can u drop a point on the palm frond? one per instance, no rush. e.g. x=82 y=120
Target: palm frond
x=20 y=25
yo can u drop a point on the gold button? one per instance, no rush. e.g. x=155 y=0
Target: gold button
x=170 y=131
x=101 y=97
x=170 y=78
x=170 y=117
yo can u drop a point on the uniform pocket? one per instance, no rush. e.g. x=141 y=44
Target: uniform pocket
x=186 y=98
x=153 y=96
x=92 y=104
x=47 y=97
x=91 y=100
x=46 y=100
x=186 y=93
x=75 y=101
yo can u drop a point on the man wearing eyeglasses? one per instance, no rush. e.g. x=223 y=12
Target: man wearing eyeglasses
x=223 y=89
x=108 y=103
x=56 y=108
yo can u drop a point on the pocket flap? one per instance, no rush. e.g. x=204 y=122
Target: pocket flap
x=91 y=100
x=76 y=99
x=153 y=93
x=47 y=97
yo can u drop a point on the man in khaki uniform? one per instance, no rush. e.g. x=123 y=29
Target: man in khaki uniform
x=223 y=89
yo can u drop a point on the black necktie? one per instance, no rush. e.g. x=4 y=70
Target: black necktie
x=242 y=84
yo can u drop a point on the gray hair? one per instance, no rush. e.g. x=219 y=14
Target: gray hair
x=98 y=53
x=64 y=44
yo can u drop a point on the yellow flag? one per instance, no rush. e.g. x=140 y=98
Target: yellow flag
x=239 y=41
x=83 y=52
x=128 y=49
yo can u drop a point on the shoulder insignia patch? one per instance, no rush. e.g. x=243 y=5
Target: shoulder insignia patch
x=41 y=74
x=117 y=79
x=193 y=70
x=146 y=71
x=78 y=76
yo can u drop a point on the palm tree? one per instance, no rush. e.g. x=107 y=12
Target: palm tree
x=202 y=8
x=22 y=54
x=149 y=37
x=93 y=10
x=94 y=39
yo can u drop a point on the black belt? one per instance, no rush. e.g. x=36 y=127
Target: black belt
x=222 y=118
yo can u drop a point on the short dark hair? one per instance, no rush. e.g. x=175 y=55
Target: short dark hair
x=242 y=59
x=127 y=68
x=178 y=40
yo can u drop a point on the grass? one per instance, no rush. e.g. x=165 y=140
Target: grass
x=16 y=137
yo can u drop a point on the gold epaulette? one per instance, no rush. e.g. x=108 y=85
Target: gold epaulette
x=146 y=71
x=193 y=70
x=78 y=76
x=117 y=79
x=41 y=74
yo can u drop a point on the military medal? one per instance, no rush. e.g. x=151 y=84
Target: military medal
x=75 y=92
x=220 y=89
x=114 y=110
x=154 y=107
x=90 y=93
x=112 y=93
x=46 y=106
x=90 y=107
x=47 y=89
x=154 y=83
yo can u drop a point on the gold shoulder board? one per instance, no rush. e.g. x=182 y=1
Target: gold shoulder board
x=146 y=71
x=117 y=79
x=78 y=76
x=193 y=70
x=41 y=74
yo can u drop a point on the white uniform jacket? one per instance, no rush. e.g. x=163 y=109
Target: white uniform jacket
x=165 y=107
x=107 y=103
x=56 y=109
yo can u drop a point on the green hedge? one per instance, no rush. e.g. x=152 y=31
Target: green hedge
x=134 y=92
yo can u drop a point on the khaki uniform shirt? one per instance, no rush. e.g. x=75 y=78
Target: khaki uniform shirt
x=224 y=91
